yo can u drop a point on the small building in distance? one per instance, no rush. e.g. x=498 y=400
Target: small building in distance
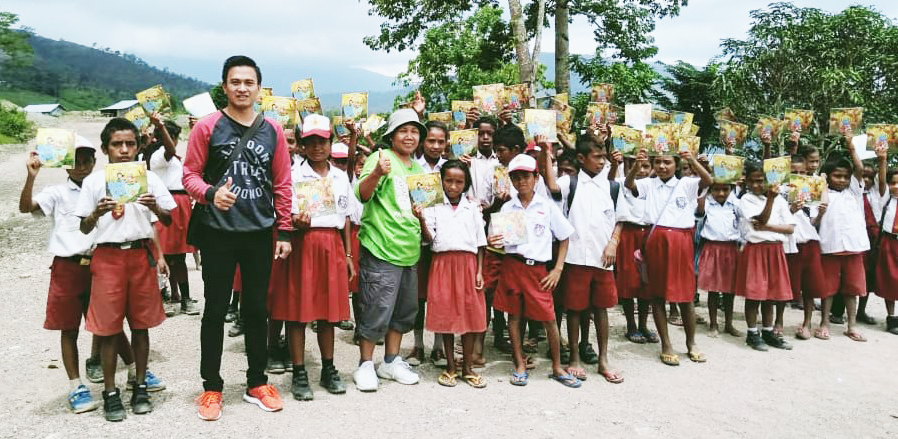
x=119 y=108
x=49 y=109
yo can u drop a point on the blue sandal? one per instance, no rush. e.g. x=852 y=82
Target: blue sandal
x=567 y=379
x=519 y=379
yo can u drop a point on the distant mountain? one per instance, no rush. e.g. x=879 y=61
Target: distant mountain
x=87 y=78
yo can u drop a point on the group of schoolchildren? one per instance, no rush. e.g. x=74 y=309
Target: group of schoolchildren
x=601 y=230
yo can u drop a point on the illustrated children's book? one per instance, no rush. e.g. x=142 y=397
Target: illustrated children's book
x=154 y=100
x=597 y=113
x=443 y=116
x=339 y=129
x=845 y=118
x=316 y=197
x=303 y=89
x=517 y=96
x=693 y=129
x=200 y=105
x=689 y=143
x=488 y=98
x=460 y=111
x=661 y=116
x=462 y=142
x=662 y=138
x=777 y=169
x=879 y=134
x=309 y=106
x=264 y=91
x=733 y=131
x=501 y=182
x=726 y=169
x=355 y=106
x=769 y=126
x=626 y=140
x=725 y=113
x=125 y=182
x=807 y=189
x=638 y=115
x=682 y=118
x=602 y=93
x=139 y=118
x=374 y=122
x=425 y=190
x=281 y=109
x=798 y=120
x=55 y=147
x=511 y=225
x=541 y=122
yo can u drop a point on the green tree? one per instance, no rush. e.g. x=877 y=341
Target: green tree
x=14 y=48
x=691 y=89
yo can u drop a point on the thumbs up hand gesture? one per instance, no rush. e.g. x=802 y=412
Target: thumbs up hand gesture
x=383 y=165
x=224 y=198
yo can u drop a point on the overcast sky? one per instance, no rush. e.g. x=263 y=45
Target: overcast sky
x=331 y=31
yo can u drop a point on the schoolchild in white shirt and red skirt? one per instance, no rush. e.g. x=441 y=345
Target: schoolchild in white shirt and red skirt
x=720 y=254
x=886 y=255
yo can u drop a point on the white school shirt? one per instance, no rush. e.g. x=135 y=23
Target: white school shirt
x=482 y=169
x=721 y=220
x=58 y=202
x=630 y=209
x=459 y=229
x=680 y=212
x=425 y=165
x=592 y=216
x=888 y=222
x=355 y=209
x=843 y=227
x=751 y=205
x=137 y=221
x=169 y=171
x=804 y=230
x=342 y=192
x=544 y=221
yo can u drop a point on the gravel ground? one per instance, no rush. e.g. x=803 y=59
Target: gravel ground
x=835 y=388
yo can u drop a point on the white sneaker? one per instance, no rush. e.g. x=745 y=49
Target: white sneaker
x=398 y=371
x=365 y=378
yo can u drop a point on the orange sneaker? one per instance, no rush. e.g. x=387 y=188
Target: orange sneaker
x=209 y=406
x=264 y=396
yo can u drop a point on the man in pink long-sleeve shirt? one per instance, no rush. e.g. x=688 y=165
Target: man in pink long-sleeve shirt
x=243 y=205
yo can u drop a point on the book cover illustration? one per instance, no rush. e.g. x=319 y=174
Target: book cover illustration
x=597 y=113
x=309 y=106
x=777 y=169
x=125 y=182
x=462 y=142
x=501 y=181
x=798 y=120
x=615 y=115
x=442 y=116
x=638 y=115
x=55 y=147
x=770 y=126
x=511 y=225
x=139 y=118
x=845 y=118
x=154 y=100
x=373 y=123
x=879 y=134
x=541 y=122
x=488 y=98
x=733 y=132
x=626 y=140
x=303 y=89
x=602 y=93
x=662 y=138
x=354 y=105
x=425 y=190
x=316 y=197
x=661 y=116
x=725 y=113
x=517 y=96
x=689 y=143
x=264 y=91
x=282 y=109
x=727 y=169
x=563 y=121
x=681 y=118
x=807 y=189
x=339 y=129
x=460 y=111
x=693 y=129
x=200 y=105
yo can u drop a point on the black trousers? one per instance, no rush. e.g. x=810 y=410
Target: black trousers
x=222 y=251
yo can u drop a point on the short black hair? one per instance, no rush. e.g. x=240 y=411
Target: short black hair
x=568 y=156
x=238 y=61
x=510 y=136
x=807 y=150
x=892 y=172
x=486 y=120
x=586 y=143
x=837 y=161
x=114 y=125
x=174 y=130
x=457 y=164
x=798 y=158
x=438 y=125
x=751 y=166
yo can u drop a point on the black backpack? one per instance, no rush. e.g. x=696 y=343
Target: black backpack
x=613 y=186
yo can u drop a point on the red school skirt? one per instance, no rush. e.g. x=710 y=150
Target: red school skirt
x=763 y=273
x=173 y=238
x=887 y=267
x=806 y=271
x=454 y=305
x=324 y=292
x=629 y=286
x=492 y=269
x=354 y=242
x=844 y=273
x=670 y=260
x=716 y=265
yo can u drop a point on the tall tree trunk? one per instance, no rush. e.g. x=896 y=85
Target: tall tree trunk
x=562 y=48
x=522 y=51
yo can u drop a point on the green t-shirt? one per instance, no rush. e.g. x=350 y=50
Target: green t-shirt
x=390 y=230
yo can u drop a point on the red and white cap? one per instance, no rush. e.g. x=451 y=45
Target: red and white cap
x=522 y=162
x=339 y=150
x=316 y=125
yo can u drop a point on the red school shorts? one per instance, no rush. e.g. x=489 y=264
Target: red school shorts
x=69 y=294
x=887 y=267
x=844 y=274
x=519 y=292
x=806 y=271
x=588 y=287
x=492 y=269
x=123 y=285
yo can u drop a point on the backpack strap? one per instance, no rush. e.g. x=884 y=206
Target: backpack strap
x=615 y=191
x=570 y=194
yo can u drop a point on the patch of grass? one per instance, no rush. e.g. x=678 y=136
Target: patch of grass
x=26 y=97
x=6 y=140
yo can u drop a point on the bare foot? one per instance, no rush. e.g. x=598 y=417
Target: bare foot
x=713 y=332
x=734 y=332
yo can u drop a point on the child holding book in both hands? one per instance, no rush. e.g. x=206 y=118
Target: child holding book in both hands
x=456 y=303
x=719 y=254
x=123 y=268
x=525 y=286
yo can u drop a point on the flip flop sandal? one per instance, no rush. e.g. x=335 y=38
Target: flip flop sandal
x=670 y=359
x=447 y=379
x=803 y=333
x=650 y=337
x=635 y=337
x=699 y=320
x=676 y=321
x=612 y=377
x=566 y=379
x=578 y=372
x=475 y=381
x=854 y=335
x=821 y=333
x=519 y=379
x=697 y=357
